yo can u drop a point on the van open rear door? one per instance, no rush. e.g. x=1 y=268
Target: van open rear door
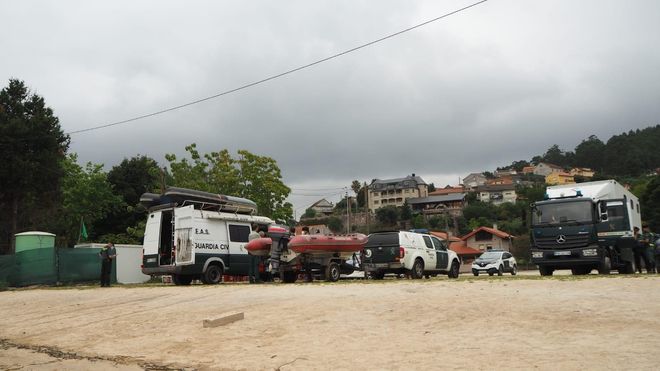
x=183 y=236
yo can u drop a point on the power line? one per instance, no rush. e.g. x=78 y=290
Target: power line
x=278 y=75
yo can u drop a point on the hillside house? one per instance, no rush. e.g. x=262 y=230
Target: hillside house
x=485 y=238
x=559 y=178
x=497 y=194
x=450 y=204
x=544 y=168
x=474 y=180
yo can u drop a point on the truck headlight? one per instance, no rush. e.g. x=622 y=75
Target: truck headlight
x=537 y=254
x=590 y=252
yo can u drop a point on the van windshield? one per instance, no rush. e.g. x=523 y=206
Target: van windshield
x=562 y=212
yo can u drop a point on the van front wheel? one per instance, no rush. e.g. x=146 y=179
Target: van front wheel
x=213 y=275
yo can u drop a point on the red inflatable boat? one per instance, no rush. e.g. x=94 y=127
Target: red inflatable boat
x=324 y=244
x=259 y=246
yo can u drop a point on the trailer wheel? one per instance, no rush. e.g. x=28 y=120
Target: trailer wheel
x=417 y=270
x=605 y=265
x=181 y=280
x=332 y=272
x=545 y=271
x=213 y=275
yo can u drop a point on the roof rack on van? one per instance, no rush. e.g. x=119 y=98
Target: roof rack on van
x=209 y=206
x=200 y=200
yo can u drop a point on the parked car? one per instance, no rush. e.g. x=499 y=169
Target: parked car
x=416 y=254
x=495 y=261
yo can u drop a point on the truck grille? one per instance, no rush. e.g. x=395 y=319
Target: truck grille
x=572 y=241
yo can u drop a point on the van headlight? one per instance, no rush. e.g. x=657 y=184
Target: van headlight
x=590 y=252
x=537 y=254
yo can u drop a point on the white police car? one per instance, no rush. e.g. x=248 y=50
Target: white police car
x=495 y=261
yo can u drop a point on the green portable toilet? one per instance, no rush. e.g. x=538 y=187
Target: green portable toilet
x=34 y=240
x=35 y=259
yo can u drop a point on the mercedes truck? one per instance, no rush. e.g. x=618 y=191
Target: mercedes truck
x=585 y=226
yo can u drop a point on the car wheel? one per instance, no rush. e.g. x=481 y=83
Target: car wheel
x=545 y=271
x=454 y=270
x=490 y=273
x=213 y=275
x=476 y=273
x=181 y=280
x=417 y=270
x=500 y=270
x=514 y=271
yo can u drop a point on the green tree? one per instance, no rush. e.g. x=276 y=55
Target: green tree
x=86 y=195
x=335 y=224
x=650 y=204
x=405 y=212
x=255 y=177
x=129 y=180
x=32 y=147
x=418 y=221
x=388 y=215
x=309 y=213
x=431 y=188
x=589 y=153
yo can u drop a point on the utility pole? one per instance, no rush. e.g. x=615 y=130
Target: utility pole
x=348 y=214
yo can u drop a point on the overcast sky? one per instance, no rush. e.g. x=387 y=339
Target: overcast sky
x=499 y=82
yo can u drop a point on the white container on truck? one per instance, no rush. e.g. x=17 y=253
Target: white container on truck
x=585 y=226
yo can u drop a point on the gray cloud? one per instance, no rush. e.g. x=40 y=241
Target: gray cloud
x=498 y=83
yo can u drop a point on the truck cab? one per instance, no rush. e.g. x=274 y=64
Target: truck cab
x=585 y=226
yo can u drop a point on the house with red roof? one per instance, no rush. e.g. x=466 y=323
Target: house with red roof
x=485 y=238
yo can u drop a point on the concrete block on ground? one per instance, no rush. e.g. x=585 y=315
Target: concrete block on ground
x=224 y=319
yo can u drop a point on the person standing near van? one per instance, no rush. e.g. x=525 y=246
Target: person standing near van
x=647 y=241
x=253 y=271
x=108 y=255
x=638 y=250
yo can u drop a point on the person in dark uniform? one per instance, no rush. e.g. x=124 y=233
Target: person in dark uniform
x=108 y=255
x=647 y=241
x=637 y=250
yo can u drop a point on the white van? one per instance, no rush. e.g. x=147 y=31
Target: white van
x=195 y=235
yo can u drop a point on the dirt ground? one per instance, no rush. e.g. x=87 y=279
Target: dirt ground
x=506 y=322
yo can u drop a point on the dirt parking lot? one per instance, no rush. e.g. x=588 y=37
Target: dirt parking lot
x=522 y=322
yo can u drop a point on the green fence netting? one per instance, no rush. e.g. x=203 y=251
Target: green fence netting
x=7 y=268
x=48 y=266
x=80 y=265
x=35 y=267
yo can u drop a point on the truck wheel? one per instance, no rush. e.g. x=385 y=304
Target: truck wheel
x=500 y=270
x=181 y=280
x=417 y=270
x=605 y=265
x=332 y=272
x=545 y=271
x=514 y=270
x=288 y=276
x=377 y=275
x=454 y=270
x=213 y=275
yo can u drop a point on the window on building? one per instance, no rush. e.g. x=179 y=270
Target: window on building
x=483 y=236
x=384 y=202
x=398 y=191
x=375 y=202
x=399 y=199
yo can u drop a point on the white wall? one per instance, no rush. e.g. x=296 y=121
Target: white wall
x=129 y=262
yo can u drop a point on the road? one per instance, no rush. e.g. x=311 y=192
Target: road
x=520 y=322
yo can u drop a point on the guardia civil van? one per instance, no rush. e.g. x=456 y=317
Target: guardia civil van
x=192 y=235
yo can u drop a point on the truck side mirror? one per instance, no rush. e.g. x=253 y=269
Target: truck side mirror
x=602 y=209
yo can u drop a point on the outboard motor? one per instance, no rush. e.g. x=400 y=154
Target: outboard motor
x=280 y=237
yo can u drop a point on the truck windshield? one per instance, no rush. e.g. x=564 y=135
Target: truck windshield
x=562 y=212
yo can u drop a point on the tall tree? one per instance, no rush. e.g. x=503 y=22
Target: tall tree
x=255 y=177
x=590 y=153
x=129 y=180
x=32 y=147
x=87 y=195
x=650 y=203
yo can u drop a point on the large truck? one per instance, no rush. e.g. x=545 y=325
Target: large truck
x=585 y=226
